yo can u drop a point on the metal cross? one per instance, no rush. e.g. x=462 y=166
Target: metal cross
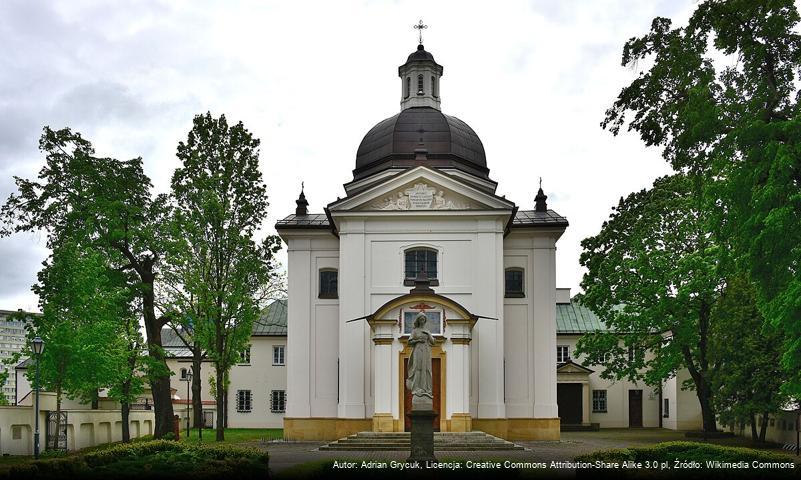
x=419 y=27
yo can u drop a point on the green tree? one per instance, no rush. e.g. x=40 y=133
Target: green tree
x=81 y=301
x=220 y=203
x=104 y=204
x=721 y=96
x=129 y=366
x=652 y=277
x=3 y=380
x=748 y=376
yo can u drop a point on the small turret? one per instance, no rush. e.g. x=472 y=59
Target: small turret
x=302 y=204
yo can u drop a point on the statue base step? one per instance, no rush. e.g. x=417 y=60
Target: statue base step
x=422 y=435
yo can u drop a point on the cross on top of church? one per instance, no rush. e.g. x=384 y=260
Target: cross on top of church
x=419 y=27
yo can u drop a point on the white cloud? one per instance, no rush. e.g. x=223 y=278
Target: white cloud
x=311 y=78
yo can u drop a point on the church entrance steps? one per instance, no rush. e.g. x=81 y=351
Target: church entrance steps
x=400 y=441
x=579 y=427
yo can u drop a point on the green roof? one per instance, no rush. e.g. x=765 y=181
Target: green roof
x=574 y=318
x=272 y=321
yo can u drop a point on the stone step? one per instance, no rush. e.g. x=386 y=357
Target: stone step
x=401 y=441
x=395 y=448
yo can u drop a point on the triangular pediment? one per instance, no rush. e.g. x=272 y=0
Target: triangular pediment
x=421 y=189
x=571 y=367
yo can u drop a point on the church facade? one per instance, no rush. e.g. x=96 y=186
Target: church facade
x=421 y=229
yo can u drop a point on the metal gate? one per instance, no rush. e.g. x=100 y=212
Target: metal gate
x=56 y=431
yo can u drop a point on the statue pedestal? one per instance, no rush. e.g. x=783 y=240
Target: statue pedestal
x=422 y=435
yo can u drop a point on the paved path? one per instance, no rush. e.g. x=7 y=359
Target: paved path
x=285 y=455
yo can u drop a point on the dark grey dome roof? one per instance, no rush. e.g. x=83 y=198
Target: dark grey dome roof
x=448 y=142
x=420 y=55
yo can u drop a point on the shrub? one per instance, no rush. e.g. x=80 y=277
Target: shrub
x=154 y=459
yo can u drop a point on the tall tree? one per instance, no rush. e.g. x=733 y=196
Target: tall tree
x=748 y=376
x=105 y=204
x=652 y=277
x=721 y=96
x=81 y=301
x=220 y=203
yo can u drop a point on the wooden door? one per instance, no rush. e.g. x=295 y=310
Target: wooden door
x=407 y=395
x=568 y=399
x=635 y=408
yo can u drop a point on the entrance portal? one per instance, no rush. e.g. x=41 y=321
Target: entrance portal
x=407 y=395
x=568 y=398
x=635 y=408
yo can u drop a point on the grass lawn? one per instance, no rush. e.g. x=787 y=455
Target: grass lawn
x=236 y=435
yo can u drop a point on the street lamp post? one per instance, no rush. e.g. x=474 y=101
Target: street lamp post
x=38 y=346
x=188 y=403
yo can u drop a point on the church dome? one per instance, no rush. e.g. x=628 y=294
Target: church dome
x=421 y=136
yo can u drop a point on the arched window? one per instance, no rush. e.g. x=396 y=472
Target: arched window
x=513 y=283
x=420 y=84
x=419 y=260
x=328 y=283
x=408 y=87
x=434 y=87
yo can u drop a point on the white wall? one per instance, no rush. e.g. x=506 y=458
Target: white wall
x=85 y=428
x=261 y=376
x=617 y=394
x=685 y=411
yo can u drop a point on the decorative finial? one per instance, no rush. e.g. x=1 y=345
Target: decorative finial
x=419 y=27
x=539 y=201
x=302 y=203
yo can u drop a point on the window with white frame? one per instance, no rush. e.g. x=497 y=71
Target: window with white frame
x=599 y=401
x=562 y=353
x=183 y=374
x=244 y=356
x=433 y=325
x=278 y=355
x=244 y=401
x=278 y=401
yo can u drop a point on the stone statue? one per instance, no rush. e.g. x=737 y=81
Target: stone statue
x=418 y=380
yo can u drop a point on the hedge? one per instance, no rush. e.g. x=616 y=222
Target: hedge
x=153 y=459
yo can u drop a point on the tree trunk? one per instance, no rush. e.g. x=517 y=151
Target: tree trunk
x=220 y=380
x=225 y=402
x=58 y=418
x=125 y=407
x=96 y=399
x=754 y=434
x=763 y=428
x=160 y=381
x=197 y=383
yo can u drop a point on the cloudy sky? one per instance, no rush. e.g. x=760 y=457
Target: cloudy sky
x=532 y=78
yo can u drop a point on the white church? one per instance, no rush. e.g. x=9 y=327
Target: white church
x=421 y=229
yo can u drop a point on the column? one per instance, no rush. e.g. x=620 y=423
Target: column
x=298 y=328
x=383 y=338
x=352 y=335
x=544 y=338
x=488 y=301
x=458 y=394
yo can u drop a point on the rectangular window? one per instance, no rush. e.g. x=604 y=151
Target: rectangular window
x=328 y=284
x=244 y=356
x=666 y=408
x=562 y=353
x=513 y=283
x=599 y=401
x=418 y=260
x=434 y=323
x=278 y=401
x=244 y=400
x=278 y=355
x=183 y=374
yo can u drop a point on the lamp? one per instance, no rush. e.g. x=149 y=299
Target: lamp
x=188 y=402
x=37 y=344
